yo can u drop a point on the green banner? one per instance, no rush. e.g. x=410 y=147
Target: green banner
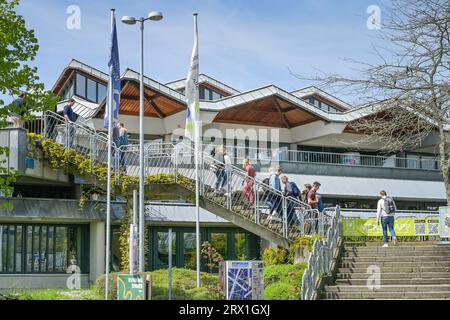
x=404 y=227
x=130 y=287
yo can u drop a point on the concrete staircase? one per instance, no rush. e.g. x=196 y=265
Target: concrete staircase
x=414 y=270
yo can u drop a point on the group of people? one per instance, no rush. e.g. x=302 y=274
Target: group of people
x=119 y=134
x=274 y=196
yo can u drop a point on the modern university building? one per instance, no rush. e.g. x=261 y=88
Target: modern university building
x=307 y=132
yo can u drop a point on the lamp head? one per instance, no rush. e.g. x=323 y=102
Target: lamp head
x=155 y=15
x=129 y=20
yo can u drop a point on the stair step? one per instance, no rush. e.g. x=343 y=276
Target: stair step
x=350 y=254
x=390 y=288
x=432 y=295
x=395 y=275
x=395 y=259
x=394 y=264
x=403 y=270
x=386 y=281
x=378 y=243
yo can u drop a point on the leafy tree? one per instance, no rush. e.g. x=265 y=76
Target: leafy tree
x=18 y=48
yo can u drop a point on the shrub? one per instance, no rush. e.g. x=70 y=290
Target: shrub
x=283 y=281
x=272 y=256
x=183 y=285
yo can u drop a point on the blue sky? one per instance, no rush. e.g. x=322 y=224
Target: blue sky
x=246 y=44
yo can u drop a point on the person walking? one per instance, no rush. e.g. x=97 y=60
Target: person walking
x=304 y=195
x=274 y=197
x=385 y=215
x=247 y=189
x=219 y=167
x=71 y=117
x=21 y=109
x=290 y=190
x=313 y=202
x=122 y=142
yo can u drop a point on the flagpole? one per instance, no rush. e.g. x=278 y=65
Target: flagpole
x=197 y=176
x=108 y=188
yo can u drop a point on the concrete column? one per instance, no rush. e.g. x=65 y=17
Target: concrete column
x=97 y=249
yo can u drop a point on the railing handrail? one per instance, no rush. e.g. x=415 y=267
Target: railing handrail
x=434 y=161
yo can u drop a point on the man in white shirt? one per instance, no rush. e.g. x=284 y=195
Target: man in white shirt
x=385 y=214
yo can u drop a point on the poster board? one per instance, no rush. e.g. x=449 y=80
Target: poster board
x=404 y=227
x=242 y=280
x=444 y=217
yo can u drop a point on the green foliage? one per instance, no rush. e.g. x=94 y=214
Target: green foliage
x=273 y=256
x=211 y=256
x=18 y=46
x=183 y=285
x=302 y=242
x=283 y=282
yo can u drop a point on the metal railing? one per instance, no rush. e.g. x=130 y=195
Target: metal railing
x=324 y=254
x=266 y=156
x=230 y=187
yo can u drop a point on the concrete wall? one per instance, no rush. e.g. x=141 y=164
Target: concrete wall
x=39 y=281
x=16 y=140
x=97 y=251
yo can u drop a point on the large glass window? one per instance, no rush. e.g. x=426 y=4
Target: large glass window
x=81 y=85
x=189 y=242
x=101 y=93
x=163 y=248
x=239 y=246
x=91 y=90
x=43 y=248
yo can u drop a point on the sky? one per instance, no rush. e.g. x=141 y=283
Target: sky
x=244 y=43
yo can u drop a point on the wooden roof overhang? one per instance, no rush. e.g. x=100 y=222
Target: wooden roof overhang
x=271 y=111
x=156 y=105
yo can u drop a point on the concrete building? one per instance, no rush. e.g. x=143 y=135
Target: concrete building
x=308 y=132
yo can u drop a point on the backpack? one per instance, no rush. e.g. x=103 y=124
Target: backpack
x=295 y=190
x=389 y=205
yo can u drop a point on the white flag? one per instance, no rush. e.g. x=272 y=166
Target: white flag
x=192 y=97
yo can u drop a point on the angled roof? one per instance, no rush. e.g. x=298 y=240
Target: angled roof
x=312 y=90
x=162 y=100
x=203 y=78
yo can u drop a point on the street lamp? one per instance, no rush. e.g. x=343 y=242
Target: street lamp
x=154 y=16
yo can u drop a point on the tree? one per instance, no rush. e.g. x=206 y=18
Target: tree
x=409 y=88
x=18 y=48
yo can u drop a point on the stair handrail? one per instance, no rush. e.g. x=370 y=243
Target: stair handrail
x=324 y=251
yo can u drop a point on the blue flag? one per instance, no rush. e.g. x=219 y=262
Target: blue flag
x=114 y=76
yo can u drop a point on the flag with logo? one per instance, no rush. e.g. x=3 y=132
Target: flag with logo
x=114 y=77
x=192 y=96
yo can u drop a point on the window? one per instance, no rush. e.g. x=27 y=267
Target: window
x=239 y=246
x=43 y=248
x=101 y=93
x=91 y=90
x=219 y=242
x=189 y=241
x=163 y=248
x=81 y=85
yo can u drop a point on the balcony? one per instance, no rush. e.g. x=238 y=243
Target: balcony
x=349 y=164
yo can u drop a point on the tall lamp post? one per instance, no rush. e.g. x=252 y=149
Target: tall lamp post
x=154 y=16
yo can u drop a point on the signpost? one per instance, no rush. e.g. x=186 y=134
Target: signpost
x=131 y=287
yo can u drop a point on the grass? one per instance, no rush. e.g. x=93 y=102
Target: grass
x=282 y=282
